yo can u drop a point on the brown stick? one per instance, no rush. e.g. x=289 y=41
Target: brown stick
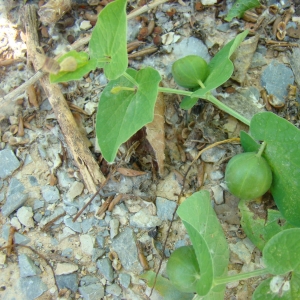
x=86 y=163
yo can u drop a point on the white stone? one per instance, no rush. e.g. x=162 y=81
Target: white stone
x=2 y=258
x=24 y=215
x=90 y=107
x=218 y=194
x=209 y=2
x=87 y=243
x=85 y=25
x=65 y=268
x=75 y=190
x=15 y=223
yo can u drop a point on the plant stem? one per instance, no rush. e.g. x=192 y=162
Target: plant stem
x=261 y=149
x=201 y=84
x=173 y=91
x=131 y=79
x=228 y=279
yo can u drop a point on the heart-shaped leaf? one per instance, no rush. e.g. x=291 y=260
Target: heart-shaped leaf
x=122 y=114
x=207 y=238
x=108 y=43
x=84 y=66
x=282 y=153
x=220 y=69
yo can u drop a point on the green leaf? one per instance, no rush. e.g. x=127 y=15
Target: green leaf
x=281 y=253
x=165 y=287
x=207 y=238
x=240 y=7
x=108 y=41
x=220 y=70
x=258 y=229
x=282 y=153
x=121 y=115
x=84 y=66
x=248 y=143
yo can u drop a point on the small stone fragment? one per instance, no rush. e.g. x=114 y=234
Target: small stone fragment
x=69 y=281
x=32 y=287
x=18 y=237
x=9 y=163
x=97 y=253
x=75 y=190
x=241 y=251
x=85 y=25
x=66 y=232
x=87 y=224
x=213 y=155
x=114 y=227
x=143 y=219
x=27 y=266
x=76 y=226
x=15 y=223
x=50 y=193
x=218 y=194
x=13 y=202
x=125 y=280
x=165 y=208
x=15 y=186
x=113 y=289
x=24 y=215
x=87 y=243
x=92 y=291
x=38 y=204
x=169 y=187
x=2 y=258
x=105 y=268
x=65 y=268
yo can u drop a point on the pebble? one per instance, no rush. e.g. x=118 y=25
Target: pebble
x=213 y=155
x=241 y=251
x=15 y=223
x=65 y=268
x=69 y=281
x=24 y=215
x=64 y=179
x=13 y=202
x=258 y=60
x=113 y=289
x=68 y=252
x=275 y=79
x=124 y=245
x=46 y=219
x=32 y=287
x=218 y=194
x=2 y=258
x=88 y=279
x=85 y=25
x=97 y=253
x=9 y=163
x=125 y=280
x=33 y=181
x=92 y=291
x=87 y=244
x=76 y=226
x=100 y=240
x=144 y=220
x=169 y=187
x=15 y=186
x=87 y=224
x=38 y=204
x=105 y=268
x=114 y=227
x=50 y=193
x=75 y=190
x=216 y=175
x=294 y=61
x=90 y=107
x=165 y=208
x=27 y=266
x=18 y=237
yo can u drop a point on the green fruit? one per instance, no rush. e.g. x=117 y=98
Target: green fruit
x=248 y=175
x=183 y=269
x=187 y=71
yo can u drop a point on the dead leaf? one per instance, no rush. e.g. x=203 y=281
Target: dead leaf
x=156 y=132
x=130 y=173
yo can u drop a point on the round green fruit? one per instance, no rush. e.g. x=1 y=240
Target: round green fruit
x=248 y=175
x=183 y=269
x=189 y=70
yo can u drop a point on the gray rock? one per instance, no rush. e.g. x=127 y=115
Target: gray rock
x=165 y=208
x=75 y=190
x=15 y=186
x=64 y=179
x=33 y=181
x=38 y=217
x=9 y=163
x=69 y=281
x=70 y=210
x=105 y=268
x=218 y=194
x=88 y=279
x=114 y=227
x=275 y=79
x=68 y=252
x=113 y=289
x=125 y=280
x=58 y=211
x=294 y=61
x=258 y=60
x=18 y=238
x=144 y=220
x=87 y=243
x=126 y=249
x=25 y=215
x=241 y=251
x=50 y=193
x=213 y=155
x=92 y=291
x=32 y=287
x=13 y=202
x=38 y=204
x=100 y=240
x=87 y=224
x=179 y=244
x=27 y=266
x=216 y=175
x=76 y=226
x=97 y=253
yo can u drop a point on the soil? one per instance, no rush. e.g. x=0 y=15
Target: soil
x=44 y=153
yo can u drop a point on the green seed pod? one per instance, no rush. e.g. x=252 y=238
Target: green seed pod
x=183 y=269
x=189 y=70
x=248 y=175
